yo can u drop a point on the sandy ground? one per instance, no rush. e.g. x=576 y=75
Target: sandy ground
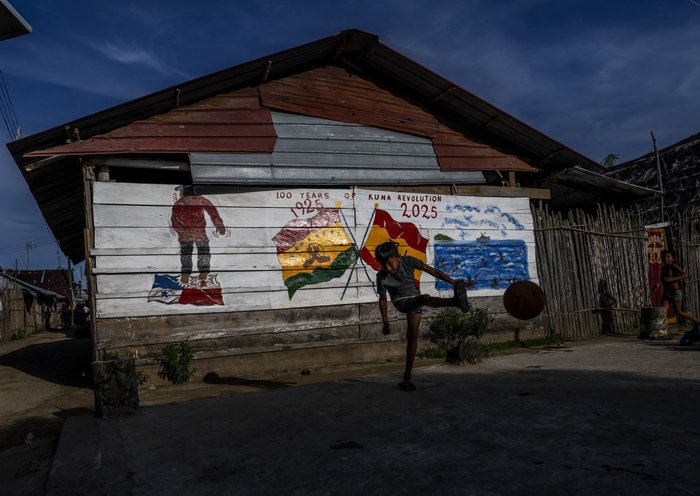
x=47 y=378
x=610 y=416
x=44 y=379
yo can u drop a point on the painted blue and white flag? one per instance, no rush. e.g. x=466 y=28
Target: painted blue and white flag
x=166 y=289
x=170 y=289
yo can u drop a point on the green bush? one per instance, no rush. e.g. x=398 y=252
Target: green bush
x=18 y=334
x=451 y=327
x=176 y=363
x=141 y=377
x=110 y=355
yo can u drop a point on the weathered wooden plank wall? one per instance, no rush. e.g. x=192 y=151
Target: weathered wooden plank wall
x=489 y=240
x=134 y=243
x=687 y=242
x=593 y=269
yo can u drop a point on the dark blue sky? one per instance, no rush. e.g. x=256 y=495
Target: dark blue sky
x=595 y=75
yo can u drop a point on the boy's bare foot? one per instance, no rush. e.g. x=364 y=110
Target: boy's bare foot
x=407 y=386
x=461 y=295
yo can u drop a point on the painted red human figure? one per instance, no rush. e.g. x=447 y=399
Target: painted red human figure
x=188 y=222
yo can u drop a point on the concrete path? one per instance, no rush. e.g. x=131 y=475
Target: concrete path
x=615 y=417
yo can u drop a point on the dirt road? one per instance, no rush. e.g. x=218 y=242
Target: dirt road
x=47 y=378
x=44 y=379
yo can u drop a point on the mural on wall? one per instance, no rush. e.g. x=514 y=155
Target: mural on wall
x=486 y=241
x=484 y=262
x=188 y=223
x=383 y=227
x=314 y=250
x=272 y=249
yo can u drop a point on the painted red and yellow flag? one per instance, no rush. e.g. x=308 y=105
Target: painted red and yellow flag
x=406 y=234
x=314 y=250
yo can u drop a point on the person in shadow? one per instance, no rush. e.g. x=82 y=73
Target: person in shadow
x=606 y=302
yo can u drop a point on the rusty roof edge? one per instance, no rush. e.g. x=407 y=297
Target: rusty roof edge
x=639 y=191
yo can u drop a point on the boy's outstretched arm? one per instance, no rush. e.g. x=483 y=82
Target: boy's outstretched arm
x=438 y=273
x=385 y=315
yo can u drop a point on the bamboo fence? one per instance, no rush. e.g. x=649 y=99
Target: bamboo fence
x=687 y=247
x=593 y=270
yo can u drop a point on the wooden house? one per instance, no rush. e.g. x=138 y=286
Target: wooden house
x=239 y=212
x=28 y=304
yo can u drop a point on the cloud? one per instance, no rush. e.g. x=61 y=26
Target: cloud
x=598 y=86
x=125 y=54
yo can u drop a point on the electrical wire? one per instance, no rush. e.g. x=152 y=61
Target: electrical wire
x=8 y=126
x=12 y=114
x=8 y=110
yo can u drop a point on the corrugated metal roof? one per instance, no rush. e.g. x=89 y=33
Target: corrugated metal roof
x=680 y=177
x=581 y=187
x=317 y=151
x=236 y=122
x=57 y=183
x=49 y=282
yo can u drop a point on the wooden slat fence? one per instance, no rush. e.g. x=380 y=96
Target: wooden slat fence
x=687 y=247
x=14 y=315
x=593 y=270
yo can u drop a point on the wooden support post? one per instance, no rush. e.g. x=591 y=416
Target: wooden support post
x=89 y=244
x=103 y=173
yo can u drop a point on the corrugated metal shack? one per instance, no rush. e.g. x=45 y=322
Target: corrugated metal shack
x=26 y=305
x=239 y=211
x=676 y=171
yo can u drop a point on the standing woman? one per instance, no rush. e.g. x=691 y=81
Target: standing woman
x=671 y=276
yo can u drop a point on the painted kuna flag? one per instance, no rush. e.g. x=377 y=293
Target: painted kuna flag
x=314 y=250
x=406 y=234
x=168 y=289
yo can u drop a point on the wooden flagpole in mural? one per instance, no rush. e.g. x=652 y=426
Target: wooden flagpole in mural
x=354 y=241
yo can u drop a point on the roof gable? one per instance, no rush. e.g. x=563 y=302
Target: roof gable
x=240 y=122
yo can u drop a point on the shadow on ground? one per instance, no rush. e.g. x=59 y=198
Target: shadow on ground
x=528 y=426
x=214 y=378
x=63 y=361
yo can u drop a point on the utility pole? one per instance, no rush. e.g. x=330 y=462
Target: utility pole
x=28 y=246
x=658 y=175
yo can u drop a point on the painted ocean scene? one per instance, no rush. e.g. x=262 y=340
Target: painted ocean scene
x=484 y=263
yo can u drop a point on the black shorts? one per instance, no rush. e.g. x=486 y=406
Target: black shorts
x=406 y=306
